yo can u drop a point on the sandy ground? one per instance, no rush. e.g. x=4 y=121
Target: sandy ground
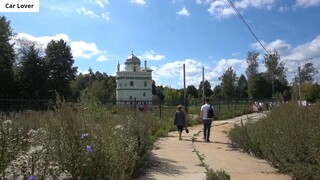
x=174 y=159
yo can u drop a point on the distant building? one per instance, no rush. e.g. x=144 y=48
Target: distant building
x=134 y=84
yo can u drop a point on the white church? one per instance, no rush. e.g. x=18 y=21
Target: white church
x=134 y=84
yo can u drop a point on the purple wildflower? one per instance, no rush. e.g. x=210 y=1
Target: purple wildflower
x=32 y=178
x=88 y=148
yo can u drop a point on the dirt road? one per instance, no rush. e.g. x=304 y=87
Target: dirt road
x=176 y=159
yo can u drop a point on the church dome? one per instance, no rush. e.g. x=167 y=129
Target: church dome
x=133 y=60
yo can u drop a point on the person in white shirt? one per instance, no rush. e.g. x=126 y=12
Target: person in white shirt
x=206 y=121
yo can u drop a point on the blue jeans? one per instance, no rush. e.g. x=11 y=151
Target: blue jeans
x=206 y=129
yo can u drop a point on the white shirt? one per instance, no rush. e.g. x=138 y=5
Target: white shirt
x=204 y=110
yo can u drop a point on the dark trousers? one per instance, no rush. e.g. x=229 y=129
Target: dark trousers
x=206 y=129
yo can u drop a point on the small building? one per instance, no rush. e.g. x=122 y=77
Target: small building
x=134 y=84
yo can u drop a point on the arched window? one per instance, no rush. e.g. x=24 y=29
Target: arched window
x=131 y=83
x=145 y=84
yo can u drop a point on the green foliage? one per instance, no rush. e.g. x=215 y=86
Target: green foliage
x=228 y=83
x=207 y=89
x=288 y=138
x=6 y=58
x=33 y=73
x=60 y=61
x=310 y=92
x=253 y=65
x=217 y=175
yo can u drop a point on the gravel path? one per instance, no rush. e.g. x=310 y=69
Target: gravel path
x=174 y=159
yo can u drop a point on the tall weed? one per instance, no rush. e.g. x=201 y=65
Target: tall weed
x=288 y=137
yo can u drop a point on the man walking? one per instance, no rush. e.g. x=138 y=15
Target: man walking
x=206 y=115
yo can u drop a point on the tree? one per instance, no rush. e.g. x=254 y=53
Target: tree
x=307 y=73
x=242 y=87
x=32 y=74
x=207 y=89
x=60 y=61
x=192 y=91
x=275 y=70
x=259 y=87
x=253 y=65
x=228 y=83
x=7 y=84
x=154 y=88
x=311 y=92
x=217 y=92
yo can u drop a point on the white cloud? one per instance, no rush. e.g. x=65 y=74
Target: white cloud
x=102 y=58
x=183 y=12
x=43 y=40
x=141 y=2
x=152 y=56
x=83 y=49
x=237 y=65
x=296 y=56
x=222 y=9
x=307 y=3
x=100 y=3
x=87 y=12
x=105 y=16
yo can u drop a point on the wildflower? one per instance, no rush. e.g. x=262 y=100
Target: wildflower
x=88 y=148
x=85 y=136
x=7 y=122
x=32 y=178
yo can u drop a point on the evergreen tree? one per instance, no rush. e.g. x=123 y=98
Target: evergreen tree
x=32 y=72
x=192 y=91
x=207 y=89
x=60 y=61
x=228 y=83
x=7 y=83
x=242 y=87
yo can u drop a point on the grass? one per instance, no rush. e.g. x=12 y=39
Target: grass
x=288 y=138
x=85 y=140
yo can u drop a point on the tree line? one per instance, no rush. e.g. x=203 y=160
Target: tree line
x=28 y=71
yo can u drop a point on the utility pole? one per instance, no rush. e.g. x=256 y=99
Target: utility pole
x=203 y=83
x=184 y=87
x=299 y=76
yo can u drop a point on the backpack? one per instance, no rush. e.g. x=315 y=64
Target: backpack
x=210 y=112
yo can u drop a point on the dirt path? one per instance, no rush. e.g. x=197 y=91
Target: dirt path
x=176 y=159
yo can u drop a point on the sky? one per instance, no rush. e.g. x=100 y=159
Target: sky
x=170 y=33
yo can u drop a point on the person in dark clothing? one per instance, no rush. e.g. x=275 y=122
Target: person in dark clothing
x=180 y=120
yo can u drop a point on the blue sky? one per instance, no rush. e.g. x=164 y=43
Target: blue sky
x=170 y=33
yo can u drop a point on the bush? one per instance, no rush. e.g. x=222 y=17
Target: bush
x=288 y=138
x=217 y=175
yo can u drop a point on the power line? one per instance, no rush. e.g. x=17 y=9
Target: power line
x=247 y=25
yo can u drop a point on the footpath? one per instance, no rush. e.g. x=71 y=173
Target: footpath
x=185 y=159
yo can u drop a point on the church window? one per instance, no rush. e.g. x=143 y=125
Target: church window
x=131 y=83
x=144 y=94
x=145 y=84
x=130 y=97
